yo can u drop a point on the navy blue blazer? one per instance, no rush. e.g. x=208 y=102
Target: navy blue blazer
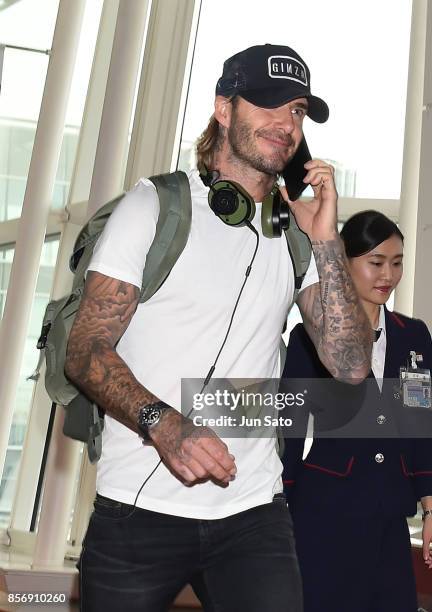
x=368 y=455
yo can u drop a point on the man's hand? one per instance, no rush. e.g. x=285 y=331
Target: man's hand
x=317 y=217
x=192 y=453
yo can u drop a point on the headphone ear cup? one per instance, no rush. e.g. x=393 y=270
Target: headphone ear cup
x=274 y=215
x=231 y=203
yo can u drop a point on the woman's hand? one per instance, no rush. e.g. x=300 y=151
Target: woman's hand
x=427 y=540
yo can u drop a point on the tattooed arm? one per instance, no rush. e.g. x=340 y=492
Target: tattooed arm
x=333 y=316
x=94 y=366
x=331 y=311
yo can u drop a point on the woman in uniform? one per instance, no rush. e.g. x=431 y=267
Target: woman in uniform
x=371 y=457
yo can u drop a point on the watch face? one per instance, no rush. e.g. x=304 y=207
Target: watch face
x=148 y=416
x=152 y=416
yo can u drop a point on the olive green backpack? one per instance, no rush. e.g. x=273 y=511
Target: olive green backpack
x=83 y=419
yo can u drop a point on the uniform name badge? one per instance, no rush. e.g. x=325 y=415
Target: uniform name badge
x=415 y=383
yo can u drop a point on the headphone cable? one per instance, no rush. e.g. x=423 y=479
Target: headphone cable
x=213 y=367
x=248 y=271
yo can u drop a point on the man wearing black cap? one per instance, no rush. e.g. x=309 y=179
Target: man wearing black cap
x=212 y=513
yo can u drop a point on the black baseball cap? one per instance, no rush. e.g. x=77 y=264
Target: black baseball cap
x=270 y=76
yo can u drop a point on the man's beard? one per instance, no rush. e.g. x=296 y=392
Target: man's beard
x=242 y=143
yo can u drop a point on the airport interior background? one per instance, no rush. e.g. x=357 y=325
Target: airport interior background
x=98 y=93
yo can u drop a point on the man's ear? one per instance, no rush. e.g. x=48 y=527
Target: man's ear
x=223 y=110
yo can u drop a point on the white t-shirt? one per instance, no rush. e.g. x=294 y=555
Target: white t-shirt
x=379 y=350
x=177 y=334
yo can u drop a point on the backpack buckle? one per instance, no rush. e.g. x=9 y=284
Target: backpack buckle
x=41 y=343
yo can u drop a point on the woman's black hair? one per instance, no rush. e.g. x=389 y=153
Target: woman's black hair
x=366 y=230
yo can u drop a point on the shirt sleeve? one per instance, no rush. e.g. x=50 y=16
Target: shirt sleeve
x=311 y=276
x=122 y=247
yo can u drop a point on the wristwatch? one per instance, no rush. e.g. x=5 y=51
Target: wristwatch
x=149 y=416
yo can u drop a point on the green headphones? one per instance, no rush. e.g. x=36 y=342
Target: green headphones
x=231 y=203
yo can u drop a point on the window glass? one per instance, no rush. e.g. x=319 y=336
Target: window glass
x=358 y=56
x=31 y=355
x=28 y=24
x=31 y=24
x=36 y=19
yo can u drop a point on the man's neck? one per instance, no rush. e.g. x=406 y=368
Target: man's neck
x=257 y=184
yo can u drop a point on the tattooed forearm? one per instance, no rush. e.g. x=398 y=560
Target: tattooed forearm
x=334 y=317
x=92 y=363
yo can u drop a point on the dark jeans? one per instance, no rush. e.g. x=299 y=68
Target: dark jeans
x=139 y=561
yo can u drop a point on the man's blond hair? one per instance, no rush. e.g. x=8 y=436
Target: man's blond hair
x=211 y=140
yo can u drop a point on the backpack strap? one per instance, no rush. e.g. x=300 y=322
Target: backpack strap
x=94 y=441
x=88 y=236
x=172 y=230
x=300 y=249
x=84 y=421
